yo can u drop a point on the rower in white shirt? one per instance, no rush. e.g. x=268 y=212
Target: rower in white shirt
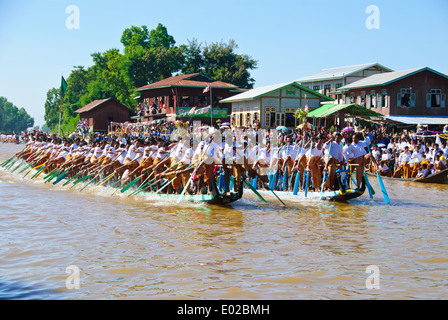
x=263 y=161
x=404 y=168
x=356 y=154
x=333 y=158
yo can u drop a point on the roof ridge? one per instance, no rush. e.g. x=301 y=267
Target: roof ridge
x=353 y=65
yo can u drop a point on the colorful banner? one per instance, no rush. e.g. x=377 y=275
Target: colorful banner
x=201 y=112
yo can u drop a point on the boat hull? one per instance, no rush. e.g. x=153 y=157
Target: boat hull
x=438 y=178
x=214 y=198
x=341 y=195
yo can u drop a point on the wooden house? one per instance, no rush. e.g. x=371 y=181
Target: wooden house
x=100 y=113
x=411 y=93
x=174 y=97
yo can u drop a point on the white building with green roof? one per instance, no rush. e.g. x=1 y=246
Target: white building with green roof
x=272 y=106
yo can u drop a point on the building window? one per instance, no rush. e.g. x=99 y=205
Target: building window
x=363 y=99
x=352 y=97
x=290 y=120
x=327 y=89
x=435 y=99
x=280 y=119
x=382 y=99
x=316 y=88
x=371 y=100
x=338 y=85
x=269 y=120
x=404 y=98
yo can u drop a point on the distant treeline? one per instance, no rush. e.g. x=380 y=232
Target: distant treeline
x=149 y=56
x=13 y=119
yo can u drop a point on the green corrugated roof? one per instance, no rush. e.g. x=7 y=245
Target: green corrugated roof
x=352 y=109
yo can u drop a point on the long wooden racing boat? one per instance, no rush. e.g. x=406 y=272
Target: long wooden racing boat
x=440 y=177
x=343 y=193
x=215 y=197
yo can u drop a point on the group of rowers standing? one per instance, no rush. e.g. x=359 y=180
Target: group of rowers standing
x=203 y=161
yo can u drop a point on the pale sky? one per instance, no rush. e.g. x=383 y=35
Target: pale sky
x=290 y=39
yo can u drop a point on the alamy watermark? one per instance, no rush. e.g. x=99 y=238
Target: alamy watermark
x=373 y=280
x=73 y=20
x=373 y=20
x=73 y=280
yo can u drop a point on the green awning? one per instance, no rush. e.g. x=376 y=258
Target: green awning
x=352 y=109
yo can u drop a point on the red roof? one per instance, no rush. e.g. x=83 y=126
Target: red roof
x=95 y=104
x=187 y=80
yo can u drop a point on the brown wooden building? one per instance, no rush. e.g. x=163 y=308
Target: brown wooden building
x=419 y=92
x=100 y=113
x=180 y=93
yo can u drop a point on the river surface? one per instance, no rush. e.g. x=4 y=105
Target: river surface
x=122 y=247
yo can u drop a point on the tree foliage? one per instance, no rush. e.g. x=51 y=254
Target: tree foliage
x=13 y=119
x=148 y=56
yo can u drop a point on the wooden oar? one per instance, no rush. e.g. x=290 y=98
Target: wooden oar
x=138 y=178
x=254 y=191
x=88 y=183
x=368 y=185
x=169 y=182
x=12 y=164
x=105 y=179
x=147 y=185
x=7 y=161
x=144 y=184
x=296 y=183
x=81 y=179
x=27 y=166
x=192 y=175
x=307 y=174
x=380 y=181
x=51 y=175
x=21 y=164
x=33 y=169
x=39 y=172
x=276 y=196
x=62 y=176
x=69 y=180
x=383 y=188
x=130 y=184
x=325 y=173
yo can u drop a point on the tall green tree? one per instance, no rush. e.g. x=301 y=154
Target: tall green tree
x=13 y=119
x=51 y=116
x=148 y=56
x=221 y=62
x=193 y=58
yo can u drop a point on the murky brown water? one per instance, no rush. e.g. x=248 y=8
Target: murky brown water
x=147 y=248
